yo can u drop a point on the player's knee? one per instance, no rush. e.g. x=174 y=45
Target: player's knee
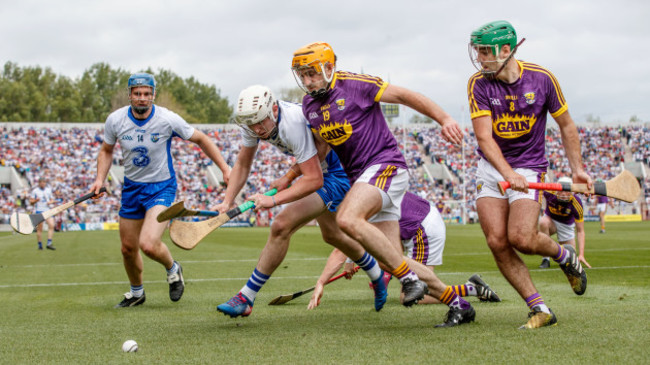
x=149 y=246
x=348 y=224
x=281 y=227
x=497 y=243
x=523 y=241
x=129 y=251
x=329 y=237
x=338 y=239
x=148 y=250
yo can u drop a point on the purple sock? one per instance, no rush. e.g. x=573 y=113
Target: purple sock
x=560 y=255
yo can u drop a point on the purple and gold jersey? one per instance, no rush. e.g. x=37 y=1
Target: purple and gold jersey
x=518 y=112
x=440 y=206
x=414 y=210
x=567 y=212
x=350 y=120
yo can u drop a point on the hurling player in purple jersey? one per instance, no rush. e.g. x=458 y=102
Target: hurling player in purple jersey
x=564 y=215
x=509 y=100
x=344 y=110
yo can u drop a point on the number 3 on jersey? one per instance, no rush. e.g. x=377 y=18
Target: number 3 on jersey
x=141 y=160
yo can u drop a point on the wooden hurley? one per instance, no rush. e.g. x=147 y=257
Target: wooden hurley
x=24 y=223
x=178 y=210
x=289 y=297
x=623 y=187
x=187 y=235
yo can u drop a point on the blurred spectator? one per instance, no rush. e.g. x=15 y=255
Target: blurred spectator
x=65 y=157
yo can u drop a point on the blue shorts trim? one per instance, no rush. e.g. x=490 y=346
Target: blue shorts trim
x=138 y=197
x=335 y=186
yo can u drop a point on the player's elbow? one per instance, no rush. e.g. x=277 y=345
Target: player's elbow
x=483 y=139
x=314 y=182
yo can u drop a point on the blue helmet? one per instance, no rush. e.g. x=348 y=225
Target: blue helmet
x=142 y=79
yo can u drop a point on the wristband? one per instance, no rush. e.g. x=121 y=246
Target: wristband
x=291 y=174
x=274 y=203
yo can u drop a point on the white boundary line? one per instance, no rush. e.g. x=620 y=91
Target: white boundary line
x=43 y=285
x=288 y=259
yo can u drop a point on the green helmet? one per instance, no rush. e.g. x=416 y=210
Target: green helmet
x=494 y=34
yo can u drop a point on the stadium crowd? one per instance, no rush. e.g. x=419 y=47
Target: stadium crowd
x=66 y=158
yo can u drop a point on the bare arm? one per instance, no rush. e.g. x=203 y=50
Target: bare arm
x=104 y=160
x=312 y=180
x=420 y=103
x=211 y=150
x=333 y=265
x=238 y=177
x=483 y=130
x=580 y=236
x=321 y=146
x=571 y=142
x=322 y=149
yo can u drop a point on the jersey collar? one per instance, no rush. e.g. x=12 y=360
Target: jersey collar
x=142 y=122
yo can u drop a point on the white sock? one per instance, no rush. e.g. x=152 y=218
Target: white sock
x=174 y=269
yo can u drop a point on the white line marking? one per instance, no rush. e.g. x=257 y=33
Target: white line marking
x=9 y=286
x=292 y=259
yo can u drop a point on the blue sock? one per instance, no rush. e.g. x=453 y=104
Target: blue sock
x=369 y=265
x=137 y=291
x=40 y=245
x=49 y=242
x=254 y=284
x=173 y=269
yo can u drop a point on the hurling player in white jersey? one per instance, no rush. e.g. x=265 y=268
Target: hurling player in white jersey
x=42 y=199
x=314 y=196
x=144 y=131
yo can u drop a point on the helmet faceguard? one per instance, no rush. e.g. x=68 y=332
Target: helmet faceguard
x=490 y=39
x=254 y=105
x=141 y=80
x=314 y=59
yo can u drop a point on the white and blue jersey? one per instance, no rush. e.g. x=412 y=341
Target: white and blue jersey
x=43 y=196
x=291 y=138
x=149 y=177
x=295 y=138
x=146 y=143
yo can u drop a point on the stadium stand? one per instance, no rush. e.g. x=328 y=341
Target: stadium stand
x=440 y=172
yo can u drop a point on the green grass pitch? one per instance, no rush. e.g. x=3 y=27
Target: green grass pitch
x=57 y=306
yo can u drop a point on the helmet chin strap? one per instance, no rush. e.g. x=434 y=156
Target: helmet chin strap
x=274 y=133
x=319 y=93
x=492 y=75
x=323 y=91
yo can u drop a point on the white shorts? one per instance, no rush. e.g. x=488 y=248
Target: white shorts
x=565 y=232
x=601 y=207
x=487 y=180
x=429 y=242
x=391 y=182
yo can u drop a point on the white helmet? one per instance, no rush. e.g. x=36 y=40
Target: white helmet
x=254 y=104
x=564 y=196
